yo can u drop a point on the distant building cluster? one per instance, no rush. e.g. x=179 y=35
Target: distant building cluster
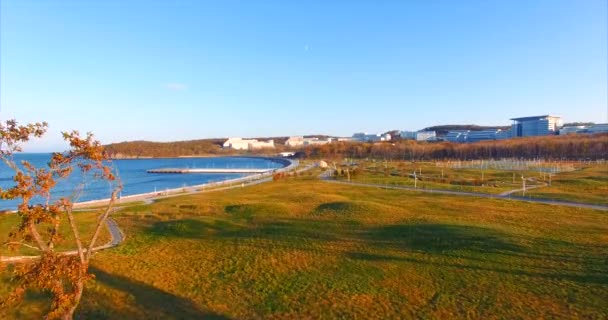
x=521 y=127
x=247 y=144
x=370 y=137
x=525 y=127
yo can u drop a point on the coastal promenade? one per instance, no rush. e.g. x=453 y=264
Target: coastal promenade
x=208 y=170
x=266 y=175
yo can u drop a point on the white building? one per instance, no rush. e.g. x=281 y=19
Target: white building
x=300 y=141
x=535 y=126
x=426 y=135
x=294 y=141
x=316 y=141
x=247 y=144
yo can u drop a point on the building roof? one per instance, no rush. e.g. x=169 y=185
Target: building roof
x=534 y=118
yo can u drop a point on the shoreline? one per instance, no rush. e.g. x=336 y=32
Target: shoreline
x=289 y=164
x=149 y=196
x=198 y=156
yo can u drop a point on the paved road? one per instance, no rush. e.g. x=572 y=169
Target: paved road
x=117 y=237
x=325 y=177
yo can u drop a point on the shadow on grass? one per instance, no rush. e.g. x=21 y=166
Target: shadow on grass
x=248 y=211
x=191 y=228
x=284 y=229
x=157 y=304
x=601 y=279
x=437 y=238
x=474 y=248
x=336 y=207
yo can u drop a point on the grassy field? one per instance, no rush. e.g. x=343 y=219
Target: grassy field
x=303 y=248
x=86 y=220
x=586 y=183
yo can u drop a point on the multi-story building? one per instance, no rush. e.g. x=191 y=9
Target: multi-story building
x=535 y=126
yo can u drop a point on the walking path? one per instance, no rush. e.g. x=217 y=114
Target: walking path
x=117 y=237
x=505 y=196
x=530 y=187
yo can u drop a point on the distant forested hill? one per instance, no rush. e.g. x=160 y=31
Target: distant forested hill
x=140 y=149
x=202 y=147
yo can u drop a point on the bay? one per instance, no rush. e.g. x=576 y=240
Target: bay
x=135 y=178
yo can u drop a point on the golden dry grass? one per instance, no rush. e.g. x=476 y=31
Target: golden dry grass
x=301 y=248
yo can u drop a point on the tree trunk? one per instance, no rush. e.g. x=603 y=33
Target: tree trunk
x=69 y=314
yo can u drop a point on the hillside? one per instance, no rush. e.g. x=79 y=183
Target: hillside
x=201 y=147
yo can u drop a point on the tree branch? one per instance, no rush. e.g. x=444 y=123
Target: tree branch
x=37 y=237
x=101 y=221
x=68 y=210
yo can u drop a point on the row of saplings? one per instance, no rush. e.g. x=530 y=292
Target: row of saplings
x=446 y=179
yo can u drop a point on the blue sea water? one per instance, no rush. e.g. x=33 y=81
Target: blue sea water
x=135 y=178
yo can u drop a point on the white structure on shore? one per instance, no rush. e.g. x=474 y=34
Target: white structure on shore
x=247 y=144
x=300 y=141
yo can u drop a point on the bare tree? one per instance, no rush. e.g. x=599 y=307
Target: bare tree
x=42 y=212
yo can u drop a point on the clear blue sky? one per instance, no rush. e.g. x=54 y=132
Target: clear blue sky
x=173 y=70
